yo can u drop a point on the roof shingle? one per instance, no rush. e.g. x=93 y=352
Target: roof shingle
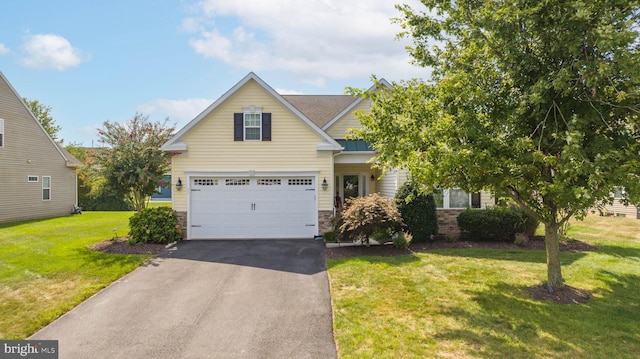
x=320 y=108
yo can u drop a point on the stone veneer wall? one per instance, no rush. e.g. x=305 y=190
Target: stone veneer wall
x=324 y=221
x=182 y=222
x=448 y=221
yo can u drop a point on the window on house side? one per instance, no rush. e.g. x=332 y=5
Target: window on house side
x=1 y=133
x=458 y=199
x=32 y=178
x=46 y=188
x=452 y=198
x=253 y=126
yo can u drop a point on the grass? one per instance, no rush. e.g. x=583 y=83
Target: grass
x=156 y=204
x=473 y=303
x=46 y=268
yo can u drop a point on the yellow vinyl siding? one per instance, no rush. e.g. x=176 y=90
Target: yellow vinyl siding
x=388 y=184
x=402 y=176
x=487 y=199
x=293 y=147
x=28 y=151
x=341 y=127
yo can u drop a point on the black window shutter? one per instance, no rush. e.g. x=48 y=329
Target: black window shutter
x=475 y=200
x=266 y=126
x=238 y=127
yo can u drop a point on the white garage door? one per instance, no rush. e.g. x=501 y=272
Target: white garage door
x=280 y=207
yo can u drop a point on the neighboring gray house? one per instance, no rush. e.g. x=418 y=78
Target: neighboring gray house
x=618 y=208
x=37 y=176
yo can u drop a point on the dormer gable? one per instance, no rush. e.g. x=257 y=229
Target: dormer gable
x=254 y=123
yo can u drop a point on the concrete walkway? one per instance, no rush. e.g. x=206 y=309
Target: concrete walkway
x=209 y=299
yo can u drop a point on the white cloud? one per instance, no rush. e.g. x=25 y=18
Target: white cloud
x=3 y=49
x=50 y=51
x=178 y=111
x=288 y=92
x=315 y=39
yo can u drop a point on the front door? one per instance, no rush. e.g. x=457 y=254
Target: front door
x=351 y=186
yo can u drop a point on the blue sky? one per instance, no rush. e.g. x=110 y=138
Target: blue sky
x=92 y=61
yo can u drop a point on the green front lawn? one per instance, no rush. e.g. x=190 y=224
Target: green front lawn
x=473 y=303
x=47 y=269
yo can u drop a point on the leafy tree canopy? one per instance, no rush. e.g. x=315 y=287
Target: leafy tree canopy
x=537 y=100
x=43 y=115
x=132 y=161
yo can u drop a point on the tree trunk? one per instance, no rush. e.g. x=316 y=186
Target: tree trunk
x=137 y=201
x=552 y=244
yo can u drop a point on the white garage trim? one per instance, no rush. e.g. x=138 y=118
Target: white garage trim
x=252 y=204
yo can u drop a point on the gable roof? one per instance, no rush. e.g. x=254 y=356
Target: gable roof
x=176 y=144
x=350 y=108
x=320 y=108
x=68 y=157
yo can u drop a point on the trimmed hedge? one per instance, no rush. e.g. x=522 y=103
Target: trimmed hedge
x=491 y=224
x=154 y=225
x=418 y=212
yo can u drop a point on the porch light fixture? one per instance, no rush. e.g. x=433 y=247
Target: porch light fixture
x=179 y=184
x=373 y=178
x=325 y=185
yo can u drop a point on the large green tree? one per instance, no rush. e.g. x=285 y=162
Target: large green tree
x=132 y=161
x=537 y=100
x=43 y=115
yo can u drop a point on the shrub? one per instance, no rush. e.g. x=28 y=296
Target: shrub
x=418 y=212
x=329 y=237
x=531 y=223
x=154 y=225
x=382 y=236
x=521 y=239
x=491 y=224
x=400 y=241
x=451 y=237
x=104 y=200
x=336 y=223
x=363 y=216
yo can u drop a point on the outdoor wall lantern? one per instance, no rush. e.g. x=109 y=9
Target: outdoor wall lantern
x=373 y=178
x=325 y=185
x=179 y=184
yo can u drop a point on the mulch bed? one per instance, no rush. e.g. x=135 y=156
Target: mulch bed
x=565 y=295
x=121 y=246
x=536 y=242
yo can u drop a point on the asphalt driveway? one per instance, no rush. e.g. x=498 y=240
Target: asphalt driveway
x=209 y=299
